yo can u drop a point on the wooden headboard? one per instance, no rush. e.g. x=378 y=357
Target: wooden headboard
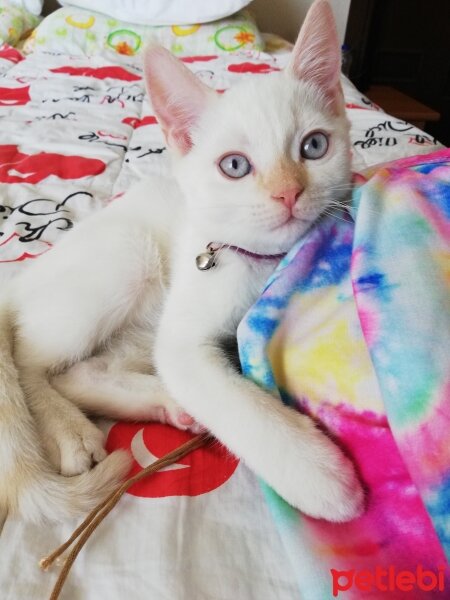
x=277 y=16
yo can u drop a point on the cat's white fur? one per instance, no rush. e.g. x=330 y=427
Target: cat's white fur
x=118 y=319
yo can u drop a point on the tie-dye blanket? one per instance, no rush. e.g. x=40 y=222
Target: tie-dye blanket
x=353 y=328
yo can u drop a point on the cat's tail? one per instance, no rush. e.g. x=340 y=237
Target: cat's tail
x=55 y=497
x=28 y=485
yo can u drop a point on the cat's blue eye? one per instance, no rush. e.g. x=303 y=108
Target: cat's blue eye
x=314 y=145
x=235 y=166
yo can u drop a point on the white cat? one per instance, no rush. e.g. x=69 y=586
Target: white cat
x=119 y=321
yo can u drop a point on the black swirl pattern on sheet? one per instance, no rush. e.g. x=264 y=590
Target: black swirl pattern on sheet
x=58 y=213
x=384 y=135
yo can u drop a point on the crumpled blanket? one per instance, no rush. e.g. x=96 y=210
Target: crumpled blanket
x=354 y=329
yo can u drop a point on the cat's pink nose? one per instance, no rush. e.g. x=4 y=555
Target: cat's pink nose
x=288 y=197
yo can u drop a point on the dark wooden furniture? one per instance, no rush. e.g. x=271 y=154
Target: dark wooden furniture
x=404 y=44
x=402 y=106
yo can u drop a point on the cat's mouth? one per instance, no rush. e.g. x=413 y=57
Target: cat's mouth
x=289 y=220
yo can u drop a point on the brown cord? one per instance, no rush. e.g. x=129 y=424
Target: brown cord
x=96 y=516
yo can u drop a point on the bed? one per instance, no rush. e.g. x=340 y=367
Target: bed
x=76 y=129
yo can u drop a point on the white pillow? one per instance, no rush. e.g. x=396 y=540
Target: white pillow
x=161 y=12
x=32 y=6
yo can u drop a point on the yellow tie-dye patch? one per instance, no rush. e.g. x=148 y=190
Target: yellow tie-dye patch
x=318 y=352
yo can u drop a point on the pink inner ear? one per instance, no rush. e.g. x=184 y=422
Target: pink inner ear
x=177 y=96
x=316 y=56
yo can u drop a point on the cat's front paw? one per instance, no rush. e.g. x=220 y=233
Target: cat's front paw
x=334 y=492
x=318 y=479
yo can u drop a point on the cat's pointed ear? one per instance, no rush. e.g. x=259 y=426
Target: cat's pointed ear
x=316 y=56
x=178 y=97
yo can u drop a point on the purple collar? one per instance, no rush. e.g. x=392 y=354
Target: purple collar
x=208 y=259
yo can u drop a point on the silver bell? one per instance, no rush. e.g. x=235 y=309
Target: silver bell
x=205 y=260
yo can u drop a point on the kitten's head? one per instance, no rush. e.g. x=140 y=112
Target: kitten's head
x=261 y=162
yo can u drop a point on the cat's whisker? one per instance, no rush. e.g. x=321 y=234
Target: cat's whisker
x=343 y=204
x=347 y=184
x=337 y=206
x=325 y=195
x=343 y=188
x=335 y=216
x=369 y=209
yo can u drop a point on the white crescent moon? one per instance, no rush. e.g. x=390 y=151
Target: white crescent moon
x=144 y=457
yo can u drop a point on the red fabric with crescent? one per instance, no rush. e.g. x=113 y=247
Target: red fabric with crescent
x=201 y=471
